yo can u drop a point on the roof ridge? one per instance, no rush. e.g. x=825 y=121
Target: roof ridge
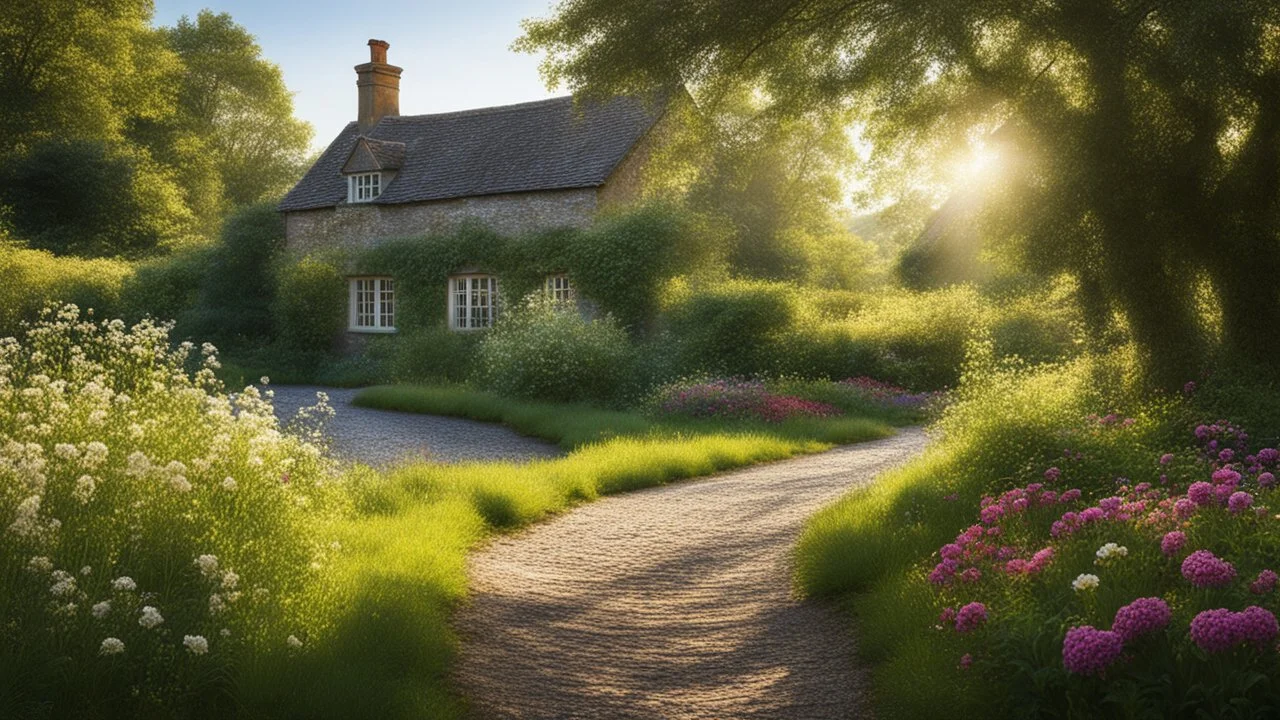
x=481 y=111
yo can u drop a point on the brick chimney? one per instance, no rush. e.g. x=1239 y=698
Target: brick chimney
x=378 y=85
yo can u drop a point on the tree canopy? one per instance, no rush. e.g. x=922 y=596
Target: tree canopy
x=1139 y=140
x=186 y=123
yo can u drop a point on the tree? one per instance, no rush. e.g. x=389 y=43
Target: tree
x=235 y=104
x=93 y=198
x=1141 y=139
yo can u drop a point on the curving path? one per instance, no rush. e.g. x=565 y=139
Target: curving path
x=672 y=602
x=383 y=437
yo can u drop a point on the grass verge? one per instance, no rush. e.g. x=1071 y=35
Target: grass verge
x=389 y=648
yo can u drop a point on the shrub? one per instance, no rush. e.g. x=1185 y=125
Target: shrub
x=32 y=279
x=165 y=288
x=158 y=535
x=734 y=328
x=433 y=355
x=547 y=351
x=310 y=309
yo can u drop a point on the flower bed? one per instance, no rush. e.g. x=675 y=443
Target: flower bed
x=1154 y=596
x=890 y=394
x=736 y=400
x=155 y=533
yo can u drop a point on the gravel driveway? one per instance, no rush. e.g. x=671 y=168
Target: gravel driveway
x=382 y=437
x=673 y=602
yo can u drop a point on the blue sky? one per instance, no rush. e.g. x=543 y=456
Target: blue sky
x=455 y=54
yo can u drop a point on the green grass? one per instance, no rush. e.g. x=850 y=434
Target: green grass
x=389 y=648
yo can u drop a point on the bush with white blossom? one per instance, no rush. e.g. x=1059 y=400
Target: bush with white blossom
x=156 y=533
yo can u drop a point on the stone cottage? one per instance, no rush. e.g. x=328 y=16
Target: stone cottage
x=516 y=168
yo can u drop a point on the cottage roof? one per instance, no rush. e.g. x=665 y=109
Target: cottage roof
x=545 y=145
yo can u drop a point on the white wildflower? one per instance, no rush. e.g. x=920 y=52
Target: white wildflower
x=264 y=380
x=1085 y=581
x=208 y=565
x=1111 y=550
x=138 y=464
x=196 y=644
x=24 y=523
x=40 y=564
x=228 y=483
x=216 y=604
x=225 y=632
x=87 y=570
x=102 y=609
x=293 y=642
x=151 y=617
x=111 y=646
x=230 y=580
x=95 y=453
x=124 y=583
x=84 y=489
x=98 y=417
x=66 y=451
x=64 y=583
x=180 y=483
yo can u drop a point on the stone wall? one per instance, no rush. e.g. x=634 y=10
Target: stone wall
x=357 y=227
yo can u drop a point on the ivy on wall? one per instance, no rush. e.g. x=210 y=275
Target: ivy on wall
x=620 y=264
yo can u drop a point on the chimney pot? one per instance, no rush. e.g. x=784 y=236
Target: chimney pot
x=379 y=87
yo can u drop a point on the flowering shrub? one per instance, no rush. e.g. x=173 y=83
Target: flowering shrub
x=1143 y=587
x=154 y=531
x=890 y=394
x=736 y=400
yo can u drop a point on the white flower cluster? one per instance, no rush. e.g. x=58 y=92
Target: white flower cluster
x=1085 y=581
x=151 y=617
x=1110 y=551
x=196 y=644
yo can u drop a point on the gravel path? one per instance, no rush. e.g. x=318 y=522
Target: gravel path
x=669 y=603
x=382 y=437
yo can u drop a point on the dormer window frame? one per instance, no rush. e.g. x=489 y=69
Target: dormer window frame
x=364 y=187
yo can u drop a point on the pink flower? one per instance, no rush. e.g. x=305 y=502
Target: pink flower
x=1166 y=458
x=970 y=575
x=1200 y=493
x=1088 y=651
x=1266 y=480
x=947 y=616
x=1184 y=508
x=1204 y=569
x=951 y=550
x=991 y=514
x=1140 y=617
x=965 y=661
x=1172 y=542
x=1052 y=474
x=971 y=617
x=1070 y=496
x=1239 y=501
x=1265 y=583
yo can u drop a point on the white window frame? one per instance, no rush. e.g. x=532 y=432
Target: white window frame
x=473 y=302
x=372 y=304
x=559 y=288
x=364 y=187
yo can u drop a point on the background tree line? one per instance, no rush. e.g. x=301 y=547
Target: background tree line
x=121 y=139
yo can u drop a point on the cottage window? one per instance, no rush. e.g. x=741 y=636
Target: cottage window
x=558 y=288
x=373 y=304
x=472 y=301
x=364 y=187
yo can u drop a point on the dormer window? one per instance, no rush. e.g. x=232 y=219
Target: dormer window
x=364 y=187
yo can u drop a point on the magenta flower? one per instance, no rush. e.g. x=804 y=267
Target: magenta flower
x=1266 y=480
x=1052 y=474
x=1219 y=630
x=947 y=616
x=1239 y=501
x=1172 y=542
x=965 y=661
x=1265 y=582
x=1184 y=508
x=991 y=514
x=951 y=550
x=1088 y=651
x=1070 y=496
x=1140 y=617
x=1166 y=458
x=1200 y=493
x=971 y=616
x=1204 y=569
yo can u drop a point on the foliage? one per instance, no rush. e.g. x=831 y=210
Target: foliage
x=238 y=287
x=310 y=306
x=165 y=287
x=433 y=355
x=159 y=534
x=120 y=139
x=33 y=279
x=546 y=350
x=94 y=199
x=1138 y=144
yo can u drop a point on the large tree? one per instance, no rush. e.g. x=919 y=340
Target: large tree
x=1141 y=138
